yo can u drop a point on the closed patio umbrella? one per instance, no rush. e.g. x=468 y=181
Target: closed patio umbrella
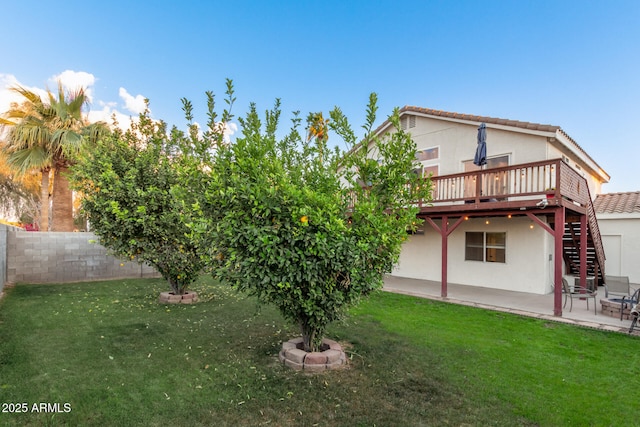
x=480 y=158
x=481 y=150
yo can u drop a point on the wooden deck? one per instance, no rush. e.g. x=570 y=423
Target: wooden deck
x=524 y=189
x=551 y=193
x=528 y=185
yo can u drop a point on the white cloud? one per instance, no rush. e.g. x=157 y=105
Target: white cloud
x=71 y=80
x=135 y=104
x=108 y=113
x=7 y=96
x=74 y=80
x=229 y=130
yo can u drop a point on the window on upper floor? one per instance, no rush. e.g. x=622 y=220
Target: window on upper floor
x=430 y=170
x=428 y=158
x=494 y=184
x=492 y=162
x=432 y=153
x=425 y=171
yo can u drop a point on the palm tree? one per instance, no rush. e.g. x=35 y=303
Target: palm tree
x=26 y=143
x=71 y=130
x=47 y=135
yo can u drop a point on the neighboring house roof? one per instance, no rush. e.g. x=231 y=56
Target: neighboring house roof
x=550 y=130
x=617 y=203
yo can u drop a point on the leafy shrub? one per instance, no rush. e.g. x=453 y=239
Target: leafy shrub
x=127 y=183
x=304 y=227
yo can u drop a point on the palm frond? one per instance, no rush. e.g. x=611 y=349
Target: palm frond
x=66 y=143
x=41 y=131
x=27 y=134
x=30 y=96
x=28 y=159
x=6 y=122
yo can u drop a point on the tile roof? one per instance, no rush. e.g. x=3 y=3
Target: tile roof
x=628 y=202
x=485 y=119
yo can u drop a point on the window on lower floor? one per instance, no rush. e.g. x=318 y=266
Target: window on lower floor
x=485 y=247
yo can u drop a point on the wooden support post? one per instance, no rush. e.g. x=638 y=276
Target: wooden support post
x=444 y=231
x=445 y=246
x=557 y=262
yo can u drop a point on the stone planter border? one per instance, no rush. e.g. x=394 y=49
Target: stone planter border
x=294 y=357
x=612 y=309
x=189 y=297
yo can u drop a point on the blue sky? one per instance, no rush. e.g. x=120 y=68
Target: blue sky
x=575 y=64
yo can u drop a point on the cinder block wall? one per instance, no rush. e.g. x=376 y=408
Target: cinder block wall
x=3 y=254
x=54 y=257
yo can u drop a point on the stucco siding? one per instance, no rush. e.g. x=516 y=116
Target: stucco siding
x=556 y=151
x=624 y=232
x=420 y=257
x=457 y=143
x=527 y=267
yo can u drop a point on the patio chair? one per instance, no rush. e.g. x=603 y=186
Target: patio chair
x=578 y=293
x=634 y=314
x=616 y=285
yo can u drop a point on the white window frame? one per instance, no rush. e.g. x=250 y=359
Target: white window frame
x=430 y=163
x=436 y=158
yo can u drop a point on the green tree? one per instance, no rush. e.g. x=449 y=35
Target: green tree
x=25 y=144
x=46 y=135
x=126 y=181
x=304 y=227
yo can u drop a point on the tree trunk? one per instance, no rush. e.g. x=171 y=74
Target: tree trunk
x=175 y=288
x=62 y=218
x=310 y=337
x=44 y=201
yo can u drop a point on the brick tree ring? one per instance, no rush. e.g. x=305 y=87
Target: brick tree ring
x=189 y=297
x=331 y=357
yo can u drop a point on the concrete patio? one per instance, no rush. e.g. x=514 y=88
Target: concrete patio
x=524 y=304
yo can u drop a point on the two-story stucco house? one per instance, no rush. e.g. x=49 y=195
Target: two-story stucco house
x=521 y=222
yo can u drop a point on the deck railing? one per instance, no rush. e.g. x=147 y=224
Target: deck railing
x=595 y=236
x=552 y=177
x=549 y=178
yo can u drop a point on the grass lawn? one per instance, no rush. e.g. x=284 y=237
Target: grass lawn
x=116 y=357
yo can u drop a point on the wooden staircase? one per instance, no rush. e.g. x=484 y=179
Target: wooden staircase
x=595 y=250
